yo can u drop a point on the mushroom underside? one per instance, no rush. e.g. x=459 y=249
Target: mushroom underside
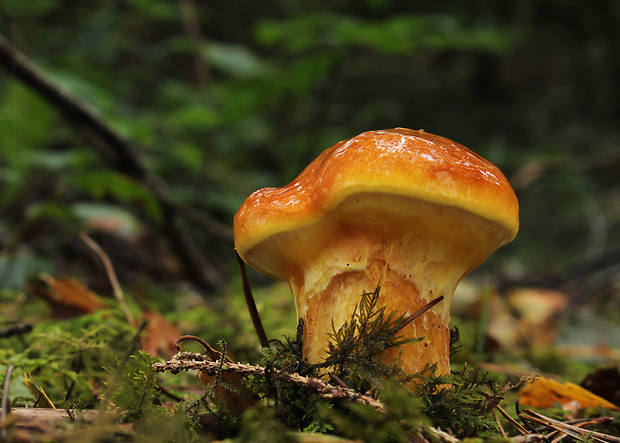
x=418 y=250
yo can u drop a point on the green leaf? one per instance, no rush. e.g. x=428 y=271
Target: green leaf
x=133 y=385
x=26 y=121
x=236 y=60
x=101 y=183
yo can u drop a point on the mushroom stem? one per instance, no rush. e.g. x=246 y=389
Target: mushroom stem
x=329 y=293
x=416 y=262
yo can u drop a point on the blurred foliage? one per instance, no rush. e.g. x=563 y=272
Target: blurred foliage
x=258 y=92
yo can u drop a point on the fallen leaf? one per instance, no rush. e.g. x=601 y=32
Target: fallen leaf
x=159 y=336
x=537 y=305
x=231 y=393
x=545 y=393
x=525 y=317
x=67 y=297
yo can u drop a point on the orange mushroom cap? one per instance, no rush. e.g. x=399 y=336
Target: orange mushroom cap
x=277 y=227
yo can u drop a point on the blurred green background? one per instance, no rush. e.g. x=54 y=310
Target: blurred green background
x=222 y=98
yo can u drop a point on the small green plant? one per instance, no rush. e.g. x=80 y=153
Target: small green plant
x=132 y=388
x=65 y=358
x=403 y=416
x=459 y=402
x=353 y=348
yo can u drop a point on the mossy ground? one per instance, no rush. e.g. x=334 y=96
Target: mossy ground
x=92 y=361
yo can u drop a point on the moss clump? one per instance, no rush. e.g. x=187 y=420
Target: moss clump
x=353 y=348
x=459 y=402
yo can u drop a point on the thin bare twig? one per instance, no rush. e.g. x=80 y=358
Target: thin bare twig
x=249 y=301
x=109 y=269
x=499 y=423
x=338 y=381
x=578 y=423
x=185 y=361
x=121 y=154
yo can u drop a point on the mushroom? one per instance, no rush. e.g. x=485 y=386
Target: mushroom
x=411 y=210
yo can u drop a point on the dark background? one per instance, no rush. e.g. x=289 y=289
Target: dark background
x=221 y=98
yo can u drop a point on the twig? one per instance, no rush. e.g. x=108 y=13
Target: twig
x=185 y=361
x=499 y=423
x=109 y=269
x=513 y=422
x=5 y=399
x=123 y=155
x=338 y=381
x=526 y=423
x=578 y=423
x=213 y=354
x=444 y=436
x=249 y=301
x=571 y=428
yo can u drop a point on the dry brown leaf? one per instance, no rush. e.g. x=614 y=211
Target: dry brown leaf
x=545 y=393
x=525 y=317
x=67 y=296
x=159 y=336
x=231 y=393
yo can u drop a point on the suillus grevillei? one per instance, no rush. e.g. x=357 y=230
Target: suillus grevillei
x=414 y=211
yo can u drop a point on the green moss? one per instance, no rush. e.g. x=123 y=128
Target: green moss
x=353 y=348
x=460 y=402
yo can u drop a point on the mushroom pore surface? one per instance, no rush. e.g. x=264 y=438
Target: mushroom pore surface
x=411 y=210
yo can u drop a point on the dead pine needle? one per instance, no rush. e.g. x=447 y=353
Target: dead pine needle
x=575 y=431
x=512 y=421
x=109 y=269
x=249 y=301
x=499 y=423
x=421 y=311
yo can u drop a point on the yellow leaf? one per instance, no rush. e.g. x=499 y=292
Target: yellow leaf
x=42 y=400
x=545 y=393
